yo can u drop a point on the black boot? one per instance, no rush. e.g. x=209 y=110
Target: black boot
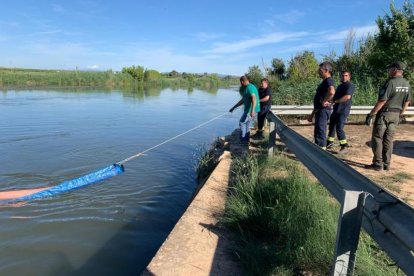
x=344 y=149
x=258 y=135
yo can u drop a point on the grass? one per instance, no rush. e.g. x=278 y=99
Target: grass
x=206 y=159
x=302 y=93
x=391 y=181
x=286 y=223
x=400 y=177
x=12 y=77
x=16 y=77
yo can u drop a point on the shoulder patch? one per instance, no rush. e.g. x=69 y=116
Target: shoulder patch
x=400 y=89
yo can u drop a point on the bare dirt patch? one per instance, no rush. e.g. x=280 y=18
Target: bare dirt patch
x=399 y=179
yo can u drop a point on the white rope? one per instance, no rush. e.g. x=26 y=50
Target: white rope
x=166 y=141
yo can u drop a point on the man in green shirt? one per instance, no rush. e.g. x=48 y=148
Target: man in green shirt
x=393 y=99
x=250 y=100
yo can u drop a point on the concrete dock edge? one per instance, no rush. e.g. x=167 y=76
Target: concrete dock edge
x=198 y=245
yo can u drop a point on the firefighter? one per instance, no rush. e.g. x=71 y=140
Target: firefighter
x=342 y=102
x=322 y=103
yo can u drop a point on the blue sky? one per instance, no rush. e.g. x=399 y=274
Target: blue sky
x=223 y=37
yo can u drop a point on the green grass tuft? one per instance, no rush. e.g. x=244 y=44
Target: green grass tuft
x=286 y=223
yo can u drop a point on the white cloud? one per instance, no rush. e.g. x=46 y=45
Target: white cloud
x=93 y=67
x=165 y=59
x=59 y=49
x=360 y=32
x=232 y=57
x=302 y=47
x=240 y=46
x=365 y=31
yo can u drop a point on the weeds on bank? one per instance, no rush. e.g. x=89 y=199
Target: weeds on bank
x=393 y=182
x=206 y=160
x=286 y=224
x=400 y=177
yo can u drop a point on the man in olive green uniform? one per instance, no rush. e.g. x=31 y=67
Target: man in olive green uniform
x=393 y=99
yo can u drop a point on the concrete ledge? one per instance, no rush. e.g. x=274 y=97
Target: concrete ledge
x=196 y=245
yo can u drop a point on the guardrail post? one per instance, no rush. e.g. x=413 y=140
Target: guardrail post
x=347 y=237
x=272 y=138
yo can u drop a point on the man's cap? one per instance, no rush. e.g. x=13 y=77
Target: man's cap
x=399 y=65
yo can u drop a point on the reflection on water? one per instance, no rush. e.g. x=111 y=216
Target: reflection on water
x=115 y=226
x=141 y=92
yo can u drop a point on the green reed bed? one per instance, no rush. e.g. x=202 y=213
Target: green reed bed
x=58 y=78
x=287 y=92
x=286 y=223
x=15 y=77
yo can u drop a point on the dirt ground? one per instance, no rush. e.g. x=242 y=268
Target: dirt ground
x=399 y=179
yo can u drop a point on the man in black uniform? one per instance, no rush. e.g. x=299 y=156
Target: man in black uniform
x=265 y=95
x=322 y=103
x=342 y=101
x=393 y=99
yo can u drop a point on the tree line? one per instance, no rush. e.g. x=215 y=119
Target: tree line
x=141 y=74
x=129 y=77
x=295 y=82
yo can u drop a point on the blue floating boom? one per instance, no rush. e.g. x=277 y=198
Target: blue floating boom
x=82 y=181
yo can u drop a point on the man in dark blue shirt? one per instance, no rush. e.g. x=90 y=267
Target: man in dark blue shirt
x=342 y=101
x=322 y=103
x=265 y=95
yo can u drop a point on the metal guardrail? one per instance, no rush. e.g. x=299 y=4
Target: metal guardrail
x=307 y=109
x=388 y=220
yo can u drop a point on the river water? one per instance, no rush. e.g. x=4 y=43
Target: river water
x=113 y=227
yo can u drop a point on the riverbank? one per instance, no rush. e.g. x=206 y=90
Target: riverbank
x=199 y=244
x=261 y=209
x=36 y=78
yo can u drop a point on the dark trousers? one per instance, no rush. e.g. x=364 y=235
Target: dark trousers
x=261 y=116
x=383 y=133
x=321 y=123
x=336 y=124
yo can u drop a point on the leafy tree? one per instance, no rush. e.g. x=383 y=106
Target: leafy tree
x=303 y=66
x=173 y=74
x=188 y=76
x=150 y=75
x=356 y=61
x=395 y=39
x=136 y=72
x=254 y=74
x=278 y=68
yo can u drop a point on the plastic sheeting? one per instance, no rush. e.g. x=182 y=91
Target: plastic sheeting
x=77 y=183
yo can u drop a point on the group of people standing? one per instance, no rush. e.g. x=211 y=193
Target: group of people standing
x=254 y=102
x=333 y=106
x=327 y=98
